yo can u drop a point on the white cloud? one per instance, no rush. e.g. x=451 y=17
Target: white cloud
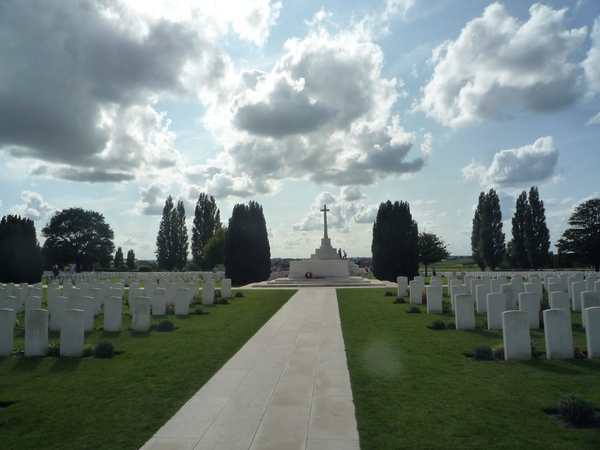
x=591 y=64
x=152 y=198
x=35 y=208
x=498 y=64
x=81 y=80
x=594 y=120
x=517 y=167
x=397 y=7
x=323 y=113
x=344 y=210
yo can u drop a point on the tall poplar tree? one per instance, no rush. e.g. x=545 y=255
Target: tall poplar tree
x=180 y=236
x=165 y=251
x=207 y=220
x=519 y=221
x=491 y=237
x=247 y=249
x=476 y=232
x=395 y=245
x=118 y=258
x=131 y=259
x=537 y=235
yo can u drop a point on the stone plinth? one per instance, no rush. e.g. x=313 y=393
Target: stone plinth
x=326 y=251
x=558 y=334
x=226 y=288
x=515 y=331
x=71 y=333
x=332 y=268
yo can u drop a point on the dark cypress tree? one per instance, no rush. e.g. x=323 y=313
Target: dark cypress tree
x=247 y=250
x=131 y=259
x=518 y=249
x=20 y=255
x=118 y=260
x=476 y=233
x=537 y=235
x=491 y=237
x=582 y=239
x=395 y=245
x=207 y=220
x=165 y=253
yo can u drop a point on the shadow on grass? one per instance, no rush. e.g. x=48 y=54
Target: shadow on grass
x=486 y=333
x=182 y=317
x=546 y=366
x=27 y=364
x=110 y=334
x=140 y=334
x=64 y=364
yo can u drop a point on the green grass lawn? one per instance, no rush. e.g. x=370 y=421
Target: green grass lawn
x=119 y=403
x=414 y=388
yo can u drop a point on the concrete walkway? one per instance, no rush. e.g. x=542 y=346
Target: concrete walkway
x=288 y=388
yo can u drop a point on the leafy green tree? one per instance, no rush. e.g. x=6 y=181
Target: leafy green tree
x=517 y=249
x=131 y=259
x=583 y=237
x=491 y=237
x=20 y=256
x=476 y=232
x=165 y=250
x=247 y=249
x=395 y=245
x=537 y=235
x=77 y=236
x=207 y=220
x=431 y=249
x=214 y=250
x=119 y=258
x=172 y=239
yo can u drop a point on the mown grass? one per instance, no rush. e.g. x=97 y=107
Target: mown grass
x=119 y=403
x=413 y=387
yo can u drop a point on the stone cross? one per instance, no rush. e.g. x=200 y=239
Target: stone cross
x=324 y=211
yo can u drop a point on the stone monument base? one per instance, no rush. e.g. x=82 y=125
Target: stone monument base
x=325 y=268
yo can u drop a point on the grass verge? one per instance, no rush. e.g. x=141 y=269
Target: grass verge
x=119 y=403
x=413 y=387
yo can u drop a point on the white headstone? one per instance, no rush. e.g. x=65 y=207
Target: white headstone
x=592 y=331
x=558 y=335
x=140 y=314
x=71 y=333
x=464 y=311
x=159 y=303
x=226 y=288
x=402 y=286
x=577 y=288
x=113 y=314
x=416 y=291
x=511 y=298
x=56 y=306
x=36 y=332
x=8 y=318
x=208 y=293
x=559 y=300
x=182 y=303
x=529 y=303
x=434 y=299
x=515 y=331
x=589 y=299
x=496 y=305
x=481 y=292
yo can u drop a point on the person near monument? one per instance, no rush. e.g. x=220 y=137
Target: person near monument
x=340 y=253
x=345 y=255
x=433 y=271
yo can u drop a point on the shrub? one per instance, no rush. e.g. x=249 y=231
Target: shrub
x=145 y=269
x=451 y=326
x=170 y=310
x=446 y=307
x=415 y=310
x=165 y=325
x=438 y=325
x=223 y=301
x=198 y=311
x=534 y=350
x=104 y=349
x=198 y=298
x=88 y=351
x=577 y=410
x=400 y=300
x=498 y=351
x=424 y=297
x=388 y=294
x=239 y=294
x=483 y=353
x=153 y=326
x=577 y=353
x=53 y=349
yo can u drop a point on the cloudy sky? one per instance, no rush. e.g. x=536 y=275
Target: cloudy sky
x=112 y=105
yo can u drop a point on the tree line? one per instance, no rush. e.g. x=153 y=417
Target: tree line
x=83 y=238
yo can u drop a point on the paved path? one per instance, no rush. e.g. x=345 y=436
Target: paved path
x=288 y=388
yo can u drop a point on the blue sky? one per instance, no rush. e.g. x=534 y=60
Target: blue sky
x=114 y=105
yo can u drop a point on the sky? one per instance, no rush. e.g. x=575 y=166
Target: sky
x=113 y=105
